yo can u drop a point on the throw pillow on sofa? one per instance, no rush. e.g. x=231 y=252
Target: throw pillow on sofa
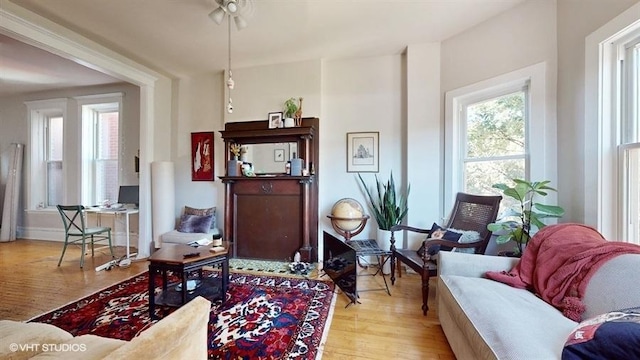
x=613 y=335
x=195 y=223
x=188 y=210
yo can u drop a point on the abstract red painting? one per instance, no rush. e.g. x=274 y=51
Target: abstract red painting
x=202 y=156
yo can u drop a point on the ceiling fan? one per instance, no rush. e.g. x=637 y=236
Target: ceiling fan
x=236 y=9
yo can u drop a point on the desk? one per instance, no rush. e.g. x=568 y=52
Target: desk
x=115 y=213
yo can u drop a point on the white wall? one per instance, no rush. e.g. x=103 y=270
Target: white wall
x=520 y=37
x=200 y=104
x=577 y=19
x=362 y=94
x=202 y=107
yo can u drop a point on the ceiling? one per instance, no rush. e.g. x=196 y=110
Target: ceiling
x=177 y=38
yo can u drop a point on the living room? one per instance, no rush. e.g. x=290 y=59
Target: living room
x=407 y=108
x=399 y=94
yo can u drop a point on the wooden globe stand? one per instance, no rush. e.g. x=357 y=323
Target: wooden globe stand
x=348 y=234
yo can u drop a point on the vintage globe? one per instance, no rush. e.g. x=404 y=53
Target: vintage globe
x=350 y=214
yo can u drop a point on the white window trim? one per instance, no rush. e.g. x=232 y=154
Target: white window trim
x=600 y=207
x=38 y=111
x=540 y=127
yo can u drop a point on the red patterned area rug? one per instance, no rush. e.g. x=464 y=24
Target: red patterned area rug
x=263 y=317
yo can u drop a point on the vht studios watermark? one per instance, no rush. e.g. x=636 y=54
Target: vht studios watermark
x=15 y=347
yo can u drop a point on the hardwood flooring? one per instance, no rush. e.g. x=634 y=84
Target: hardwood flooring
x=380 y=327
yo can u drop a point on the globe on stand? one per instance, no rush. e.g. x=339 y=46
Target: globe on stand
x=348 y=218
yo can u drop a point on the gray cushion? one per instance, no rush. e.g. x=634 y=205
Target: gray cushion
x=195 y=223
x=504 y=322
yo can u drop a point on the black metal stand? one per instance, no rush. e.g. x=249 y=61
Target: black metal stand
x=369 y=247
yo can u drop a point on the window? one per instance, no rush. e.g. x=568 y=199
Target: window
x=487 y=130
x=612 y=108
x=628 y=147
x=494 y=142
x=45 y=158
x=53 y=158
x=100 y=149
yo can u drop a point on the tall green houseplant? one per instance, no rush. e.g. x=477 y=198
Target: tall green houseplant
x=520 y=222
x=389 y=208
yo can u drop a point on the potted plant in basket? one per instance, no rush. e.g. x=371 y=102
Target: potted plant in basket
x=521 y=222
x=389 y=208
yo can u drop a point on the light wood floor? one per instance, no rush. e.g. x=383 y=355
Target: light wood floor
x=380 y=327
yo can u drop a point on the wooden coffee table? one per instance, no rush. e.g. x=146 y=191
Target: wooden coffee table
x=171 y=257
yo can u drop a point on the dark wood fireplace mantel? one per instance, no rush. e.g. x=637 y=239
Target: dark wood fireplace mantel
x=274 y=215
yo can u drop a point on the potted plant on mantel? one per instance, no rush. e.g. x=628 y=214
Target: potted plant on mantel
x=290 y=108
x=520 y=223
x=389 y=208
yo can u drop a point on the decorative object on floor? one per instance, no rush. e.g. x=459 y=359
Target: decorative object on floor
x=264 y=317
x=520 y=222
x=299 y=268
x=265 y=266
x=202 y=156
x=363 y=151
x=348 y=218
x=9 y=220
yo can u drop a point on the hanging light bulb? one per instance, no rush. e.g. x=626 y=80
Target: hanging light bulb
x=230 y=82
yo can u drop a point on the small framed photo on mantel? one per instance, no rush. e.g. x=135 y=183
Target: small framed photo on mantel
x=275 y=120
x=363 y=151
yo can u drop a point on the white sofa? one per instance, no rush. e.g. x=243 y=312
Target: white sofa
x=177 y=237
x=486 y=319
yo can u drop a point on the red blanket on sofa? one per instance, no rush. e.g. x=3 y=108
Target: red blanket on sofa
x=558 y=263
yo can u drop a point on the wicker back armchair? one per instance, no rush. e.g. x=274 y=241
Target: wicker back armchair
x=470 y=213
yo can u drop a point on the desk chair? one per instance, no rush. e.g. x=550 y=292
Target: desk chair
x=75 y=227
x=470 y=213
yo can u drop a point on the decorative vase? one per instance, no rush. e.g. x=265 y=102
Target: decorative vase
x=289 y=122
x=234 y=168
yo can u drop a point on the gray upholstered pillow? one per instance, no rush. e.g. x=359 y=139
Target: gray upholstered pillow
x=201 y=212
x=195 y=223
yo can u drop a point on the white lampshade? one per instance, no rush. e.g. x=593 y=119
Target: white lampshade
x=232 y=7
x=217 y=15
x=240 y=22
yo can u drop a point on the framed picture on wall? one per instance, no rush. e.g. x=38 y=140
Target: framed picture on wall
x=363 y=151
x=278 y=155
x=202 y=156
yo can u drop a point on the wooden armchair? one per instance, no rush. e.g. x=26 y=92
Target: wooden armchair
x=470 y=213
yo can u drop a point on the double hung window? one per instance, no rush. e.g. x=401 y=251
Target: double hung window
x=101 y=149
x=489 y=127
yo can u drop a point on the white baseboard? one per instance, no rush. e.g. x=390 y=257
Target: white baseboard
x=57 y=234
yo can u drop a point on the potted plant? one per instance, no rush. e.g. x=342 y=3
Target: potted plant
x=290 y=108
x=233 y=165
x=521 y=222
x=389 y=208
